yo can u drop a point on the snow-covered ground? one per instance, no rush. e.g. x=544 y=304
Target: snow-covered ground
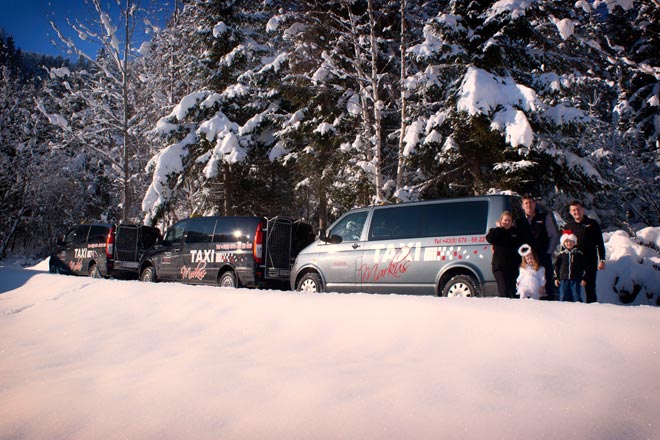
x=82 y=358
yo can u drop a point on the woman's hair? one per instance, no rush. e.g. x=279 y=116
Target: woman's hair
x=505 y=213
x=535 y=265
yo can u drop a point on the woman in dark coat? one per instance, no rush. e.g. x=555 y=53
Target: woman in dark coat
x=506 y=260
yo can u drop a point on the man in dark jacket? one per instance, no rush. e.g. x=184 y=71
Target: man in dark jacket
x=538 y=229
x=590 y=242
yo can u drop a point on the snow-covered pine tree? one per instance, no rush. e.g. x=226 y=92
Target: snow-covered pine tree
x=15 y=157
x=500 y=96
x=221 y=133
x=627 y=35
x=341 y=100
x=43 y=189
x=169 y=68
x=107 y=89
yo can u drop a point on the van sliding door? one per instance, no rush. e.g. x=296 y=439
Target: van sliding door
x=391 y=261
x=76 y=249
x=169 y=262
x=409 y=247
x=199 y=265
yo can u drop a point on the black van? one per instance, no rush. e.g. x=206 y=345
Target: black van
x=102 y=250
x=227 y=251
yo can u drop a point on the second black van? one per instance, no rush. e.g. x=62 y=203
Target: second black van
x=227 y=251
x=102 y=250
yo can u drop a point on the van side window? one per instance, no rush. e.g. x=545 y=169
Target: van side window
x=77 y=235
x=393 y=223
x=458 y=218
x=175 y=233
x=98 y=234
x=432 y=220
x=228 y=231
x=200 y=230
x=350 y=227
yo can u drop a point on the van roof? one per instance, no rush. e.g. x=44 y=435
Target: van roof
x=447 y=200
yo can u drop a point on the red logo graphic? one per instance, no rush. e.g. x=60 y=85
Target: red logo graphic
x=395 y=268
x=197 y=273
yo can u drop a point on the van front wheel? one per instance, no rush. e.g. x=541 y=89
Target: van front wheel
x=310 y=282
x=148 y=275
x=461 y=285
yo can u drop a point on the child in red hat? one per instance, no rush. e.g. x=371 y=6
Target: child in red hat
x=569 y=269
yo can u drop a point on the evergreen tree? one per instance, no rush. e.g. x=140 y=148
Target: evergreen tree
x=107 y=91
x=222 y=128
x=43 y=188
x=628 y=37
x=543 y=75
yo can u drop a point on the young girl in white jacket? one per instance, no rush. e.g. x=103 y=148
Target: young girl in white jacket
x=531 y=278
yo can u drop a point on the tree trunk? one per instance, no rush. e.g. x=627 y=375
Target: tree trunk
x=404 y=126
x=375 y=83
x=125 y=108
x=323 y=209
x=226 y=185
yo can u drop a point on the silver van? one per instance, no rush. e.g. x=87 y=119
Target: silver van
x=435 y=247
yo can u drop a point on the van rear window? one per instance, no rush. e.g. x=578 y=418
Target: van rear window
x=432 y=220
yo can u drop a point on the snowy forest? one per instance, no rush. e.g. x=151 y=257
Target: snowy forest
x=309 y=108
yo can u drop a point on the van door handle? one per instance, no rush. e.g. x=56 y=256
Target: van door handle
x=355 y=246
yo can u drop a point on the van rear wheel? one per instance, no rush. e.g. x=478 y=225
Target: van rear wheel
x=53 y=267
x=310 y=282
x=461 y=286
x=228 y=279
x=94 y=271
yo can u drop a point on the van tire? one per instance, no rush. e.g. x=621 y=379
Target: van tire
x=310 y=282
x=461 y=286
x=94 y=271
x=228 y=279
x=148 y=275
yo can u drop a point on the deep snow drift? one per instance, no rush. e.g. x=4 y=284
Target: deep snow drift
x=82 y=358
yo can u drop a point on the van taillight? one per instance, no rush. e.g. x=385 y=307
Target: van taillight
x=258 y=245
x=110 y=243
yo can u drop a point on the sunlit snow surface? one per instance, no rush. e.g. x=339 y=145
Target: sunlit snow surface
x=82 y=358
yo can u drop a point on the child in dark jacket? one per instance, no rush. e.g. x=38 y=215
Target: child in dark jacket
x=569 y=269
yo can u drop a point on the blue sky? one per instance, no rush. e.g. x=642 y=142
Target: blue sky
x=28 y=22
